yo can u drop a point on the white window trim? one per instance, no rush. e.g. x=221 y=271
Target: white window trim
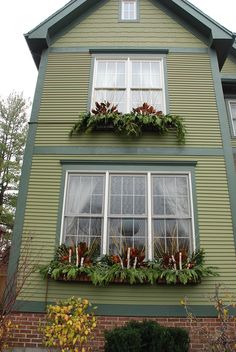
x=231 y=115
x=128 y=87
x=122 y=15
x=149 y=174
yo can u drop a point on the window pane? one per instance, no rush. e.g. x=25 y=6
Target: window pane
x=115 y=97
x=146 y=74
x=110 y=74
x=81 y=229
x=170 y=206
x=85 y=195
x=126 y=232
x=182 y=207
x=124 y=195
x=182 y=186
x=233 y=109
x=139 y=185
x=171 y=209
x=128 y=183
x=158 y=205
x=127 y=205
x=158 y=185
x=154 y=98
x=116 y=184
x=139 y=205
x=115 y=204
x=129 y=10
x=234 y=126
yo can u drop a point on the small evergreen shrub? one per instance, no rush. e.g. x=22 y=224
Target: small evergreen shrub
x=146 y=336
x=125 y=339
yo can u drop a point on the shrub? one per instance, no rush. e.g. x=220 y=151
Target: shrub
x=146 y=336
x=126 y=339
x=69 y=325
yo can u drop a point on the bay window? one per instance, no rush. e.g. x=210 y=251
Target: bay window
x=129 y=82
x=110 y=211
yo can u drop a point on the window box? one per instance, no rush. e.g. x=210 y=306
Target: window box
x=170 y=269
x=140 y=119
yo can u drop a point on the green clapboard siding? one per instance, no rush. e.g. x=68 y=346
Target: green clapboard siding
x=214 y=220
x=66 y=87
x=66 y=91
x=102 y=28
x=229 y=66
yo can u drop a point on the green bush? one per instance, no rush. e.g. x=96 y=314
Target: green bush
x=123 y=339
x=147 y=336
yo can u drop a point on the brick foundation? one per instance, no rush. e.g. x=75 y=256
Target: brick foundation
x=27 y=335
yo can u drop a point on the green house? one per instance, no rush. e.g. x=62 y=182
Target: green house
x=117 y=192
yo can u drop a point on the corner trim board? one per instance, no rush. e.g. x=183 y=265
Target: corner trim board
x=26 y=169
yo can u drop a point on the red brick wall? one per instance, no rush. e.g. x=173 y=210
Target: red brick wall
x=27 y=332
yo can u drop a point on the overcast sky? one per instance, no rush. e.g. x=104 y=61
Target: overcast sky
x=17 y=69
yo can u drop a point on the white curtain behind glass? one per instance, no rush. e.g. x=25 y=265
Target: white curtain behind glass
x=110 y=83
x=172 y=215
x=146 y=84
x=84 y=209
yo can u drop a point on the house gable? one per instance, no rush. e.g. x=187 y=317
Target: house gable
x=157 y=27
x=216 y=36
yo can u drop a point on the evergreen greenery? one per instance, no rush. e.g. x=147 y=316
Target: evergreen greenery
x=146 y=336
x=104 y=271
x=132 y=124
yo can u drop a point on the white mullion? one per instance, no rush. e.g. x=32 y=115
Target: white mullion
x=128 y=84
x=149 y=209
x=162 y=85
x=64 y=207
x=135 y=9
x=192 y=213
x=105 y=215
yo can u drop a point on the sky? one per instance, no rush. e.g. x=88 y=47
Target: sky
x=17 y=69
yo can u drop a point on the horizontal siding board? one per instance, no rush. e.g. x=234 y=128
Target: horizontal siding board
x=215 y=227
x=102 y=28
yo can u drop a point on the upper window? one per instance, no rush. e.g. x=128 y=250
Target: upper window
x=113 y=211
x=232 y=108
x=129 y=10
x=129 y=83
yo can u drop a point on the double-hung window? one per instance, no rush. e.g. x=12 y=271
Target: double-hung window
x=129 y=10
x=129 y=82
x=232 y=109
x=112 y=211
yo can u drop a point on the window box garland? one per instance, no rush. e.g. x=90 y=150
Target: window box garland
x=140 y=119
x=76 y=263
